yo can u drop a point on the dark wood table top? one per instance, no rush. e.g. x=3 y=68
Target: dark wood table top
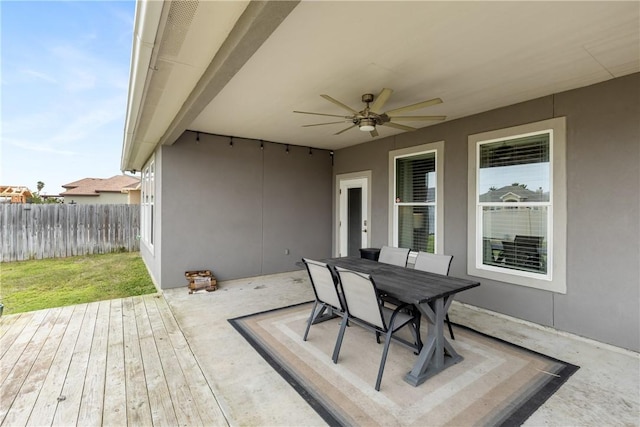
x=405 y=284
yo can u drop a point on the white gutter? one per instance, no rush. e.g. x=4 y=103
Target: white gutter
x=147 y=23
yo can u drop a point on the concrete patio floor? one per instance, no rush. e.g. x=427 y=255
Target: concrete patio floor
x=604 y=391
x=178 y=361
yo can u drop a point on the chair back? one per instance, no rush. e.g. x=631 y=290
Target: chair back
x=394 y=256
x=433 y=263
x=509 y=252
x=361 y=297
x=323 y=283
x=527 y=247
x=531 y=241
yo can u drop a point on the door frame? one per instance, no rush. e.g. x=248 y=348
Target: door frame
x=344 y=180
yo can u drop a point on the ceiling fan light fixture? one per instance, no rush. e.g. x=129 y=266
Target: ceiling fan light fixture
x=367 y=125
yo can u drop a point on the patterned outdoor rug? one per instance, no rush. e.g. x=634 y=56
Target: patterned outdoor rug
x=497 y=383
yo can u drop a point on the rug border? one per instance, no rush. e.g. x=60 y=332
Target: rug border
x=518 y=417
x=318 y=406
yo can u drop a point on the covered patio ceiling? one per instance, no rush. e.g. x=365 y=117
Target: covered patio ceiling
x=241 y=68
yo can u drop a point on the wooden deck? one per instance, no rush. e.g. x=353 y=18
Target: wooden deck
x=118 y=362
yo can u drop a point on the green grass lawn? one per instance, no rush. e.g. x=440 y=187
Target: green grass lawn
x=38 y=284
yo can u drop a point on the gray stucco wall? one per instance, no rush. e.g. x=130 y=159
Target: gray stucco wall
x=238 y=210
x=603 y=177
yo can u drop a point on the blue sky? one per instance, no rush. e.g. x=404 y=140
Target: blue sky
x=64 y=76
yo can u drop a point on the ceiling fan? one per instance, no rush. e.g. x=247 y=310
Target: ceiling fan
x=372 y=115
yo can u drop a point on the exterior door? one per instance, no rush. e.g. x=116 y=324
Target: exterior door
x=353 y=221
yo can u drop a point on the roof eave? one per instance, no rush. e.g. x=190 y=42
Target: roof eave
x=148 y=17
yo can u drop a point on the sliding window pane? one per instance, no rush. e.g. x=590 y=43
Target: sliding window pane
x=416 y=227
x=416 y=178
x=515 y=237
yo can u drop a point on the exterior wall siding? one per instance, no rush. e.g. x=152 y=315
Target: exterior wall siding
x=238 y=210
x=603 y=245
x=241 y=211
x=104 y=198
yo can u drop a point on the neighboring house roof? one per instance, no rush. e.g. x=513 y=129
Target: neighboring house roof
x=15 y=193
x=95 y=186
x=513 y=193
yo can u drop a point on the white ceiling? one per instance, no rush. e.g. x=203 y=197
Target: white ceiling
x=476 y=56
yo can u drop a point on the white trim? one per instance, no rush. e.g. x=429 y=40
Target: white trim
x=555 y=279
x=438 y=149
x=147 y=21
x=148 y=213
x=353 y=176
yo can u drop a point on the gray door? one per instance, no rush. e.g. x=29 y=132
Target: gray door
x=354 y=221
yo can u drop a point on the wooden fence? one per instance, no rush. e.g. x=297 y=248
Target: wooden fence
x=57 y=231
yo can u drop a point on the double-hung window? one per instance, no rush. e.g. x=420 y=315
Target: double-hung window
x=148 y=203
x=516 y=199
x=416 y=187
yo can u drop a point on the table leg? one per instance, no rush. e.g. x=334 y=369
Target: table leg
x=431 y=359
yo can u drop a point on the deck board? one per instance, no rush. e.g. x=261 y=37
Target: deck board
x=68 y=409
x=115 y=393
x=138 y=411
x=183 y=402
x=162 y=412
x=47 y=401
x=91 y=403
x=11 y=330
x=29 y=391
x=119 y=362
x=13 y=348
x=210 y=412
x=17 y=373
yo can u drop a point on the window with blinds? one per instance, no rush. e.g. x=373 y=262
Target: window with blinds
x=415 y=201
x=514 y=202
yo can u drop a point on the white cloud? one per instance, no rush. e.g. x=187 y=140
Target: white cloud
x=85 y=123
x=39 y=75
x=40 y=147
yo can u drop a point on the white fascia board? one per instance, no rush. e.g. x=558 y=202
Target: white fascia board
x=147 y=23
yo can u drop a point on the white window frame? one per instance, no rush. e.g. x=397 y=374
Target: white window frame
x=438 y=149
x=147 y=204
x=555 y=278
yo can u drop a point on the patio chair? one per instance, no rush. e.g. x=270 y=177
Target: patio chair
x=394 y=256
x=364 y=307
x=522 y=253
x=527 y=251
x=328 y=302
x=439 y=264
x=508 y=253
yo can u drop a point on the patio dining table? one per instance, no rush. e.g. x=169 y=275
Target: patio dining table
x=431 y=293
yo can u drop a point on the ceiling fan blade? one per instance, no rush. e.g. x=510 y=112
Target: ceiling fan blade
x=413 y=107
x=344 y=130
x=374 y=133
x=319 y=114
x=339 y=104
x=380 y=100
x=320 y=124
x=397 y=126
x=418 y=118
